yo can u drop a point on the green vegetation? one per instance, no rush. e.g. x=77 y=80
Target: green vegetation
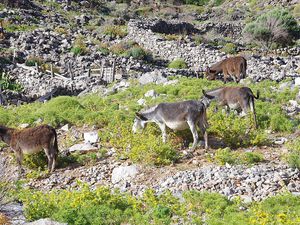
x=229 y=48
x=107 y=113
x=273 y=29
x=226 y=155
x=32 y=60
x=115 y=31
x=100 y=206
x=293 y=157
x=79 y=46
x=103 y=48
x=7 y=84
x=177 y=64
x=130 y=49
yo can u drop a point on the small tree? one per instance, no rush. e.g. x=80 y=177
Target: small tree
x=277 y=26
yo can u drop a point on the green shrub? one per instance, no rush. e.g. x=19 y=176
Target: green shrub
x=197 y=2
x=223 y=156
x=177 y=64
x=79 y=46
x=296 y=11
x=103 y=48
x=293 y=157
x=130 y=49
x=115 y=31
x=100 y=206
x=276 y=27
x=226 y=155
x=229 y=48
x=137 y=53
x=32 y=60
x=7 y=84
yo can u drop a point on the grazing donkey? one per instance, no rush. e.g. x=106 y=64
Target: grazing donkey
x=234 y=98
x=176 y=116
x=234 y=67
x=31 y=140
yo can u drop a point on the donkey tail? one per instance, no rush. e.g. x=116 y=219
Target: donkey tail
x=55 y=144
x=257 y=94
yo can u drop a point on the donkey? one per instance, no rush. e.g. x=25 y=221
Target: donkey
x=176 y=116
x=31 y=140
x=234 y=67
x=234 y=98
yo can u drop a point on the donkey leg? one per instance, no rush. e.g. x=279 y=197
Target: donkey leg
x=193 y=129
x=162 y=127
x=49 y=157
x=205 y=136
x=19 y=158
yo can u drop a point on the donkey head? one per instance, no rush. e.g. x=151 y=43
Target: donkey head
x=210 y=74
x=3 y=133
x=206 y=99
x=139 y=123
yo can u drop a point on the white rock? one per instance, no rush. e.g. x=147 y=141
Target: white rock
x=91 y=137
x=24 y=125
x=151 y=93
x=83 y=147
x=171 y=82
x=123 y=173
x=46 y=221
x=297 y=81
x=65 y=127
x=141 y=101
x=293 y=103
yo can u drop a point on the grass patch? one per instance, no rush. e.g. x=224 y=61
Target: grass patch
x=100 y=206
x=115 y=31
x=226 y=155
x=177 y=64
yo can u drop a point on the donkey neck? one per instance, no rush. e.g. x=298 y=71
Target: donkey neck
x=215 y=92
x=150 y=113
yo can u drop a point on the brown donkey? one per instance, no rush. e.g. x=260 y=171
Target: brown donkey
x=234 y=67
x=234 y=98
x=31 y=140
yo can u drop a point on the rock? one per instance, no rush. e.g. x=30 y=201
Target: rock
x=141 y=101
x=24 y=125
x=46 y=221
x=297 y=81
x=65 y=127
x=151 y=93
x=171 y=82
x=83 y=147
x=280 y=140
x=91 y=137
x=155 y=76
x=123 y=173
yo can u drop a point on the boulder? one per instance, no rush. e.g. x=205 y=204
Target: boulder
x=46 y=221
x=83 y=147
x=155 y=76
x=91 y=137
x=123 y=173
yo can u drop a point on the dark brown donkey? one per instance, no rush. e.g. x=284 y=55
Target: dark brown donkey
x=234 y=67
x=31 y=140
x=234 y=98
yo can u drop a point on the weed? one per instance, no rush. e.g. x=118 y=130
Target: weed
x=177 y=64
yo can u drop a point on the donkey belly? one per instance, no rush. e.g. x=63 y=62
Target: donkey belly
x=177 y=125
x=30 y=149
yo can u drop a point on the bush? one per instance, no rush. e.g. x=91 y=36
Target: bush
x=293 y=157
x=103 y=48
x=7 y=84
x=276 y=27
x=100 y=206
x=115 y=31
x=32 y=60
x=79 y=46
x=177 y=64
x=229 y=48
x=226 y=155
x=130 y=49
